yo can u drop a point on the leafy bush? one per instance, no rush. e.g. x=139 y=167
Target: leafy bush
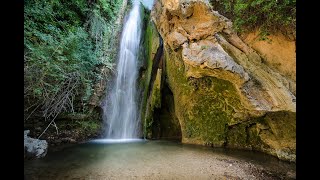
x=65 y=42
x=268 y=15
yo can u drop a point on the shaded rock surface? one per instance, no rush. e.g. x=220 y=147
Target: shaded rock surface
x=224 y=91
x=34 y=148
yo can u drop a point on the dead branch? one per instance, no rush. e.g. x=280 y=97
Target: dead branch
x=32 y=112
x=47 y=127
x=55 y=125
x=61 y=101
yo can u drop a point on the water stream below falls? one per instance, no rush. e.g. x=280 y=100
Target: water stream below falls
x=139 y=159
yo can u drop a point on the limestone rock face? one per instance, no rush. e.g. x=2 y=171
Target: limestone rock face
x=208 y=55
x=222 y=87
x=34 y=148
x=175 y=39
x=278 y=51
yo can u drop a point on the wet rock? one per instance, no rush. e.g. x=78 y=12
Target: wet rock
x=34 y=148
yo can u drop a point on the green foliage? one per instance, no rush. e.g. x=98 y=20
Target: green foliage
x=269 y=15
x=89 y=125
x=65 y=42
x=109 y=9
x=103 y=32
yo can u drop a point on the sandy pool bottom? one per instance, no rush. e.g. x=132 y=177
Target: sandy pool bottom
x=155 y=160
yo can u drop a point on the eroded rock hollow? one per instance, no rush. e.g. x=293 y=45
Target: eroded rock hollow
x=224 y=92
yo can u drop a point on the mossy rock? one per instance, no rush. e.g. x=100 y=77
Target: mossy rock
x=204 y=106
x=150 y=46
x=237 y=136
x=210 y=112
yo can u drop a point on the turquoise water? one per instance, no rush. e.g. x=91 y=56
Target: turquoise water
x=150 y=160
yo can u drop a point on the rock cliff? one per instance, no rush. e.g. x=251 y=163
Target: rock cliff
x=225 y=92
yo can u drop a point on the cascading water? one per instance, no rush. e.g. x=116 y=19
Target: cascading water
x=120 y=114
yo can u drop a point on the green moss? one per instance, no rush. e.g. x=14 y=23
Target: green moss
x=237 y=135
x=156 y=97
x=153 y=104
x=204 y=106
x=274 y=130
x=246 y=134
x=207 y=121
x=282 y=124
x=253 y=137
x=151 y=43
x=156 y=94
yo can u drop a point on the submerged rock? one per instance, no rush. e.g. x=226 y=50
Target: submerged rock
x=34 y=148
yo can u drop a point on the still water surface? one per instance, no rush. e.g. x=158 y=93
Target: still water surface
x=140 y=159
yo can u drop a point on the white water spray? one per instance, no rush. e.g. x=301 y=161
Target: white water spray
x=121 y=113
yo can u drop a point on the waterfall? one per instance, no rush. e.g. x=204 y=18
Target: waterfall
x=120 y=112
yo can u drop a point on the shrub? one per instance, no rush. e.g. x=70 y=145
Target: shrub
x=65 y=42
x=268 y=15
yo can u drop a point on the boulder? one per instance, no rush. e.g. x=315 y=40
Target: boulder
x=34 y=148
